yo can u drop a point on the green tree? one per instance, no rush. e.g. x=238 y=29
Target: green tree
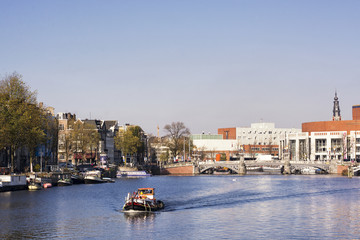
x=34 y=122
x=129 y=141
x=164 y=157
x=176 y=132
x=20 y=116
x=84 y=138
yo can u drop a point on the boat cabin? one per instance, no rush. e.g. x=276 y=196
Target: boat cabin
x=146 y=193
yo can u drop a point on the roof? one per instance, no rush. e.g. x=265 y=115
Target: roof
x=109 y=123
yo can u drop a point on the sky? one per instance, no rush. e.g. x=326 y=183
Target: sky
x=207 y=63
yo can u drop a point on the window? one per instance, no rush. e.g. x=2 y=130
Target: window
x=320 y=145
x=336 y=145
x=61 y=127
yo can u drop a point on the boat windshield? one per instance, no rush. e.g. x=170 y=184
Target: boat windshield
x=145 y=192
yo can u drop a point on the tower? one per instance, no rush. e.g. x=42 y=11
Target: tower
x=336 y=109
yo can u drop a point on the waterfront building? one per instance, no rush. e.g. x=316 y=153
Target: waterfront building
x=159 y=151
x=258 y=139
x=336 y=139
x=112 y=155
x=105 y=149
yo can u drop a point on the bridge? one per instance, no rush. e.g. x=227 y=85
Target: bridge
x=236 y=166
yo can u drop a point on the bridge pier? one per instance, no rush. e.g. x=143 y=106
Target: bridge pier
x=350 y=171
x=287 y=166
x=242 y=166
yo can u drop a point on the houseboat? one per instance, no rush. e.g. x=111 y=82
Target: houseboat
x=12 y=182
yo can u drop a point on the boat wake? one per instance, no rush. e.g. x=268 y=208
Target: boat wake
x=231 y=199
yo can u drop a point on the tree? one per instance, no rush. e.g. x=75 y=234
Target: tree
x=176 y=132
x=164 y=157
x=129 y=141
x=84 y=138
x=34 y=121
x=20 y=117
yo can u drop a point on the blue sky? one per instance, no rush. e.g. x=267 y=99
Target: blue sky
x=209 y=64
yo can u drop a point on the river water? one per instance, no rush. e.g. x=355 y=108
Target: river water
x=197 y=207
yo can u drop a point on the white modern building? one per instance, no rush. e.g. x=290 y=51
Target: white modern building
x=258 y=139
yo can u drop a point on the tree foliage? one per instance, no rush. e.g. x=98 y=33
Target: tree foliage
x=176 y=132
x=84 y=138
x=22 y=121
x=129 y=140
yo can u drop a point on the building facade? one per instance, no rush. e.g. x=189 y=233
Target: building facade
x=328 y=140
x=256 y=140
x=105 y=150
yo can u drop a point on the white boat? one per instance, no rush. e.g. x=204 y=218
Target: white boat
x=12 y=182
x=308 y=170
x=64 y=182
x=271 y=169
x=254 y=169
x=132 y=174
x=92 y=177
x=34 y=186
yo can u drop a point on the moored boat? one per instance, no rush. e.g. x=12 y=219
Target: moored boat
x=221 y=172
x=143 y=200
x=12 y=182
x=77 y=179
x=47 y=185
x=308 y=170
x=132 y=174
x=93 y=177
x=34 y=186
x=64 y=182
x=109 y=180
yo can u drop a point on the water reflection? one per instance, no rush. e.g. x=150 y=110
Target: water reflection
x=139 y=217
x=251 y=207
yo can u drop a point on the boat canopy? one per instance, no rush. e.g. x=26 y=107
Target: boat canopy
x=146 y=191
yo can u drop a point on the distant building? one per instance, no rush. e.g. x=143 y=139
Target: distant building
x=327 y=140
x=113 y=155
x=258 y=139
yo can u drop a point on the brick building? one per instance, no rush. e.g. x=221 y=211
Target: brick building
x=327 y=140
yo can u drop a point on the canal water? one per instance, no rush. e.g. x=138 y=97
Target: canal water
x=197 y=207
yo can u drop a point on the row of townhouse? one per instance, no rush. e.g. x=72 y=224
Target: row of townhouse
x=105 y=150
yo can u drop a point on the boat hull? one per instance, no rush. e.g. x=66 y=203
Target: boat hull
x=77 y=179
x=132 y=174
x=93 y=180
x=135 y=206
x=35 y=186
x=63 y=183
x=12 y=183
x=47 y=185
